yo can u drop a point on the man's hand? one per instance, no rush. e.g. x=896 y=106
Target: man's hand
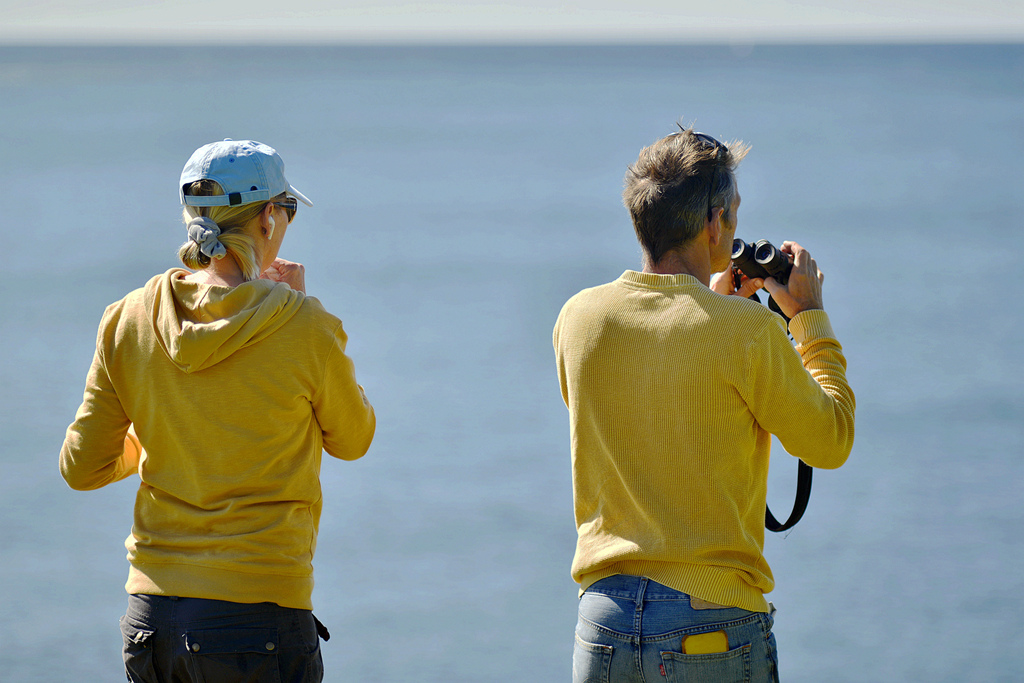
x=723 y=284
x=803 y=291
x=291 y=273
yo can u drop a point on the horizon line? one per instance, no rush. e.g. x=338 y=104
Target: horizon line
x=773 y=39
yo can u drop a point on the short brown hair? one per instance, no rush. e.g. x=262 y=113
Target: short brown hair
x=676 y=184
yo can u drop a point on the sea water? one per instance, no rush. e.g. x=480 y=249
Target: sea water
x=461 y=196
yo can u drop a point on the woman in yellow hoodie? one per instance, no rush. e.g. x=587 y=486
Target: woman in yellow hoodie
x=220 y=387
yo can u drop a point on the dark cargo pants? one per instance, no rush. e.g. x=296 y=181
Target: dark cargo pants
x=202 y=641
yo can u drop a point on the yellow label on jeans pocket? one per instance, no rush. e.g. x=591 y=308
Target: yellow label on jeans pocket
x=706 y=643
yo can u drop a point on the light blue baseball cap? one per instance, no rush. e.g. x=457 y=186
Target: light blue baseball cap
x=247 y=171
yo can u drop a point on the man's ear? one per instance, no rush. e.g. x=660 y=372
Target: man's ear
x=714 y=227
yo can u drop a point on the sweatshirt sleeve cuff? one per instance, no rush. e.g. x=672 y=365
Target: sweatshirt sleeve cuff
x=812 y=324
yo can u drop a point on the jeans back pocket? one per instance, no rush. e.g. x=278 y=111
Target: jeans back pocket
x=591 y=662
x=722 y=667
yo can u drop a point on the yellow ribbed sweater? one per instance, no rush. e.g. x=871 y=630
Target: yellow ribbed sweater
x=673 y=394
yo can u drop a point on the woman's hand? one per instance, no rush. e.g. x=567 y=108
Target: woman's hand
x=291 y=273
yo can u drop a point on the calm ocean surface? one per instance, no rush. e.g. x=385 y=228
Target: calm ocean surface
x=462 y=195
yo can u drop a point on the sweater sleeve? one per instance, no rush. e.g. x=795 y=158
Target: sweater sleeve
x=98 y=448
x=345 y=415
x=803 y=398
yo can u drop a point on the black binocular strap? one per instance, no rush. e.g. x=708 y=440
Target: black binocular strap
x=803 y=494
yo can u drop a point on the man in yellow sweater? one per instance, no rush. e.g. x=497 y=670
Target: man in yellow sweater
x=675 y=383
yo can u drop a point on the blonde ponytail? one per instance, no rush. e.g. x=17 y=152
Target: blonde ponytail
x=236 y=231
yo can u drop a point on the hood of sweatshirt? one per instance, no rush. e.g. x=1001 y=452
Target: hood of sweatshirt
x=200 y=325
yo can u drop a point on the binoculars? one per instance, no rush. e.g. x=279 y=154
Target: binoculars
x=761 y=260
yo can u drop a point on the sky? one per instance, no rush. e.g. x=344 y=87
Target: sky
x=508 y=21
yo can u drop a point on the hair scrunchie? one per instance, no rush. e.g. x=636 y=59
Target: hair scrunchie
x=206 y=233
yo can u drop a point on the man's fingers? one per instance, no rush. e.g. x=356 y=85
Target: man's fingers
x=750 y=287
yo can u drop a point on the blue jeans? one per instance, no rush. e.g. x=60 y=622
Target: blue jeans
x=214 y=641
x=631 y=630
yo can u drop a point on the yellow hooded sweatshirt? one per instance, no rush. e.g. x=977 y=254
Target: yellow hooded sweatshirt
x=233 y=393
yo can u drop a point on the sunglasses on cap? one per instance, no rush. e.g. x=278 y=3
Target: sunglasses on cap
x=290 y=206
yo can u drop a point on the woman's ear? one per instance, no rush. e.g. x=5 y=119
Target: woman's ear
x=267 y=221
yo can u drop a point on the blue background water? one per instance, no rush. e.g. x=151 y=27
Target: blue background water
x=462 y=194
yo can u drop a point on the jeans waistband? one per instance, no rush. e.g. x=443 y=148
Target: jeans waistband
x=638 y=587
x=641 y=588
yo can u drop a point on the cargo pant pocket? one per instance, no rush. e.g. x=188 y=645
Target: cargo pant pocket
x=138 y=651
x=722 y=667
x=230 y=655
